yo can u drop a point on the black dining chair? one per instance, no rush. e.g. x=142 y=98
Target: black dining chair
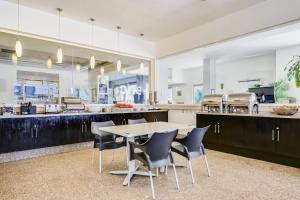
x=104 y=140
x=155 y=153
x=143 y=138
x=192 y=147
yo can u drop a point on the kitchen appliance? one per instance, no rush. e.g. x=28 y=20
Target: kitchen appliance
x=72 y=104
x=28 y=109
x=214 y=103
x=8 y=109
x=53 y=108
x=242 y=103
x=264 y=94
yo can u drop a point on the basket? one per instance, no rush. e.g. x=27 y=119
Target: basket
x=286 y=110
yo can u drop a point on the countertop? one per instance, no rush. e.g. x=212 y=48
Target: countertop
x=262 y=114
x=74 y=114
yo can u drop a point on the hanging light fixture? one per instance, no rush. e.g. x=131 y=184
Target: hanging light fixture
x=49 y=63
x=14 y=58
x=119 y=66
x=142 y=67
x=59 y=51
x=18 y=47
x=92 y=59
x=78 y=67
x=124 y=71
x=102 y=71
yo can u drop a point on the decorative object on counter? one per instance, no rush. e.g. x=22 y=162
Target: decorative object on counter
x=285 y=110
x=214 y=103
x=222 y=86
x=123 y=105
x=257 y=85
x=293 y=68
x=8 y=109
x=280 y=87
x=72 y=104
x=242 y=103
x=28 y=109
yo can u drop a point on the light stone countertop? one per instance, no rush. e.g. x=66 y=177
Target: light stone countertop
x=262 y=114
x=75 y=114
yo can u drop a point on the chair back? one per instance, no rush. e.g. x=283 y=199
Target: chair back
x=137 y=121
x=96 y=125
x=159 y=145
x=193 y=141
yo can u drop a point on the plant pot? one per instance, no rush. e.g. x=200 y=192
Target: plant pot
x=297 y=78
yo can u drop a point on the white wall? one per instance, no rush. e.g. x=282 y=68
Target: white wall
x=283 y=56
x=192 y=76
x=231 y=72
x=33 y=21
x=8 y=78
x=257 y=17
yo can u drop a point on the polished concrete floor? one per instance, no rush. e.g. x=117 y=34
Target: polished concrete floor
x=73 y=176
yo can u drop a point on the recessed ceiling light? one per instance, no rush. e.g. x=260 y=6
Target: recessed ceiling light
x=119 y=27
x=141 y=34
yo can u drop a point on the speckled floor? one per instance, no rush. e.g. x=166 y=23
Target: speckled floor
x=73 y=176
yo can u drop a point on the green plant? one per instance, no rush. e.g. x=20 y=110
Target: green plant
x=293 y=68
x=257 y=85
x=280 y=88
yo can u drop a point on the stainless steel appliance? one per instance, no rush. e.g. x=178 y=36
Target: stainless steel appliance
x=53 y=108
x=242 y=103
x=72 y=104
x=214 y=103
x=28 y=109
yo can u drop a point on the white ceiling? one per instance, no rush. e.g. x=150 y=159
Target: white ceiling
x=240 y=48
x=157 y=19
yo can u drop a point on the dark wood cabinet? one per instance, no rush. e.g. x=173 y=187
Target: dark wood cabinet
x=287 y=136
x=259 y=134
x=24 y=133
x=271 y=139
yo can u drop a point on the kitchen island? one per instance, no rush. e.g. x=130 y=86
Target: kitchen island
x=27 y=132
x=264 y=136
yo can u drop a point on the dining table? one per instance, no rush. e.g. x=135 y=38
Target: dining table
x=131 y=131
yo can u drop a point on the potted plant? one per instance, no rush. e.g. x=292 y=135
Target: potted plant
x=293 y=68
x=280 y=88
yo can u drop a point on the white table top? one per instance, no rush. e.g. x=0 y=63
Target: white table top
x=145 y=128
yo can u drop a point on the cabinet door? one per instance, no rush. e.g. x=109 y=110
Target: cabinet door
x=230 y=130
x=288 y=137
x=9 y=136
x=73 y=128
x=86 y=134
x=259 y=134
x=211 y=135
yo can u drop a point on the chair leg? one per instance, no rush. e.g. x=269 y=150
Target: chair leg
x=113 y=155
x=129 y=178
x=100 y=162
x=152 y=187
x=208 y=171
x=174 y=168
x=166 y=170
x=157 y=172
x=191 y=170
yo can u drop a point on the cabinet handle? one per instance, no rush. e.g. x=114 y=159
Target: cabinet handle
x=273 y=135
x=278 y=134
x=85 y=127
x=215 y=128
x=31 y=130
x=81 y=127
x=218 y=128
x=36 y=131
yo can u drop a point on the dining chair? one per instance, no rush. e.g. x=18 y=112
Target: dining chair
x=155 y=153
x=143 y=138
x=104 y=140
x=192 y=147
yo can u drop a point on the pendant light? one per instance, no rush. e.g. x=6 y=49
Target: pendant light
x=49 y=63
x=18 y=47
x=119 y=64
x=102 y=71
x=78 y=67
x=142 y=67
x=92 y=59
x=14 y=58
x=59 y=53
